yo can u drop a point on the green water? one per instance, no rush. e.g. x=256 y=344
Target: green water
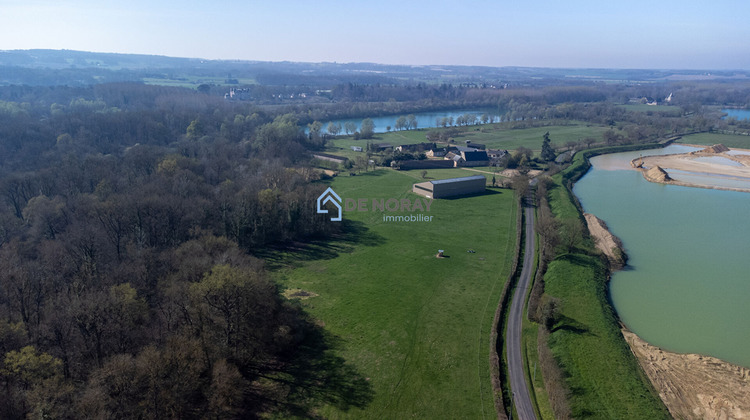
x=687 y=286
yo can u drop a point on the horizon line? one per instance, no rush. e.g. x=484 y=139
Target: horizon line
x=241 y=60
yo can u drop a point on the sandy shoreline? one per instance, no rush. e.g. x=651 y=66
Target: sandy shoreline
x=720 y=162
x=692 y=386
x=605 y=241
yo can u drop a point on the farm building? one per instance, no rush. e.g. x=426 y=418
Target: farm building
x=382 y=146
x=452 y=187
x=418 y=147
x=459 y=149
x=475 y=145
x=565 y=157
x=434 y=153
x=478 y=158
x=496 y=154
x=422 y=164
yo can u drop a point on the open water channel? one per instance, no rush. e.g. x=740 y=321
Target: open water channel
x=424 y=119
x=687 y=285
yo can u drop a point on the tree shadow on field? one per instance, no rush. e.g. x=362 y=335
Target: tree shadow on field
x=485 y=192
x=351 y=234
x=576 y=259
x=376 y=172
x=315 y=376
x=565 y=323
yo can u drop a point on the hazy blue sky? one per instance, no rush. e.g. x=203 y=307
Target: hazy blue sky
x=542 y=33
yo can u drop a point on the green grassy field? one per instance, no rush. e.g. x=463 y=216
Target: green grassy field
x=193 y=81
x=729 y=140
x=494 y=136
x=498 y=137
x=432 y=174
x=674 y=110
x=342 y=145
x=602 y=374
x=417 y=327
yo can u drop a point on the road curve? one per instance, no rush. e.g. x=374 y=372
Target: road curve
x=518 y=385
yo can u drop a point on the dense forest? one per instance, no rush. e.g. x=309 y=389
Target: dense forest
x=128 y=288
x=134 y=219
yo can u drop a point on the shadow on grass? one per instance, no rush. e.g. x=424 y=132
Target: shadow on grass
x=486 y=192
x=376 y=172
x=314 y=376
x=571 y=325
x=577 y=258
x=352 y=233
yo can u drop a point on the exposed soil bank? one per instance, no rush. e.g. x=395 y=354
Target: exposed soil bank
x=605 y=241
x=657 y=168
x=690 y=385
x=694 y=386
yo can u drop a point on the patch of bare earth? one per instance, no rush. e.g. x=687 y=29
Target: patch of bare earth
x=657 y=174
x=694 y=386
x=656 y=168
x=298 y=294
x=605 y=241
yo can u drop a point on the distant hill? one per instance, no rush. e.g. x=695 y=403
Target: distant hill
x=67 y=67
x=67 y=59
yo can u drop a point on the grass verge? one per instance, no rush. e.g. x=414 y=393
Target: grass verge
x=601 y=374
x=534 y=376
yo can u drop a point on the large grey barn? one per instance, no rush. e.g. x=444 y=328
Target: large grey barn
x=443 y=188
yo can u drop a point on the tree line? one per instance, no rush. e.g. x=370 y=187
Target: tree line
x=129 y=288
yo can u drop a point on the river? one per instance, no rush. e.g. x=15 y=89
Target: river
x=424 y=119
x=740 y=114
x=687 y=284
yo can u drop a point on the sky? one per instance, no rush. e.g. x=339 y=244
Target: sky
x=654 y=34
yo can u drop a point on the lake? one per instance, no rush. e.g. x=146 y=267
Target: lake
x=740 y=114
x=424 y=119
x=687 y=284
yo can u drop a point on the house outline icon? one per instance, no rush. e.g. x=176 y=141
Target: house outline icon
x=329 y=195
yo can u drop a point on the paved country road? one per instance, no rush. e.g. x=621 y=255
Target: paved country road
x=518 y=384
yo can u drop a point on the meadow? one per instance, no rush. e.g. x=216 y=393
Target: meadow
x=493 y=136
x=667 y=109
x=729 y=140
x=415 y=326
x=603 y=376
x=192 y=82
x=498 y=136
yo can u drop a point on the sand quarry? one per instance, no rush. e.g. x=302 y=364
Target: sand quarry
x=692 y=386
x=717 y=162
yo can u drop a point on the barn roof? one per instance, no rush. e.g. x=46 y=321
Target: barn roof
x=475 y=156
x=462 y=179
